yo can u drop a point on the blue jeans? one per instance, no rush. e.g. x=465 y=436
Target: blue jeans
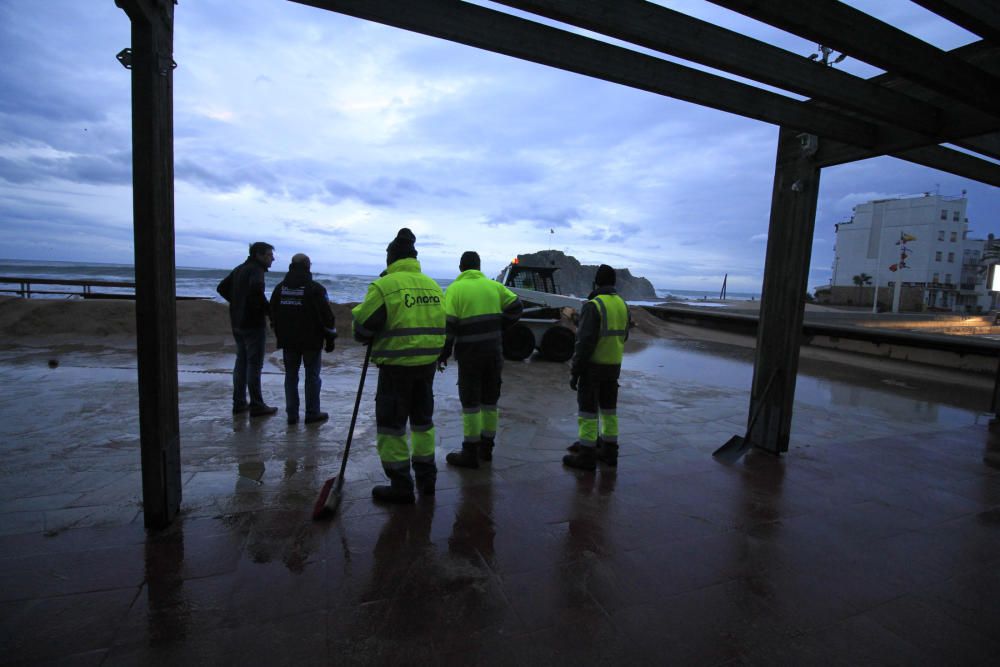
x=249 y=363
x=313 y=361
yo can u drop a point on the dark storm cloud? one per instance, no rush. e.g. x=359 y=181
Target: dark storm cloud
x=382 y=191
x=110 y=169
x=538 y=214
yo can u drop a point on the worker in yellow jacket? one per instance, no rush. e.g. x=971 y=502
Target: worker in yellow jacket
x=597 y=362
x=478 y=311
x=402 y=318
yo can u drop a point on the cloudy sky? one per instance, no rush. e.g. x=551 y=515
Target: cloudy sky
x=324 y=134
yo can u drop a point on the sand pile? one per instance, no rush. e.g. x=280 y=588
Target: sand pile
x=199 y=322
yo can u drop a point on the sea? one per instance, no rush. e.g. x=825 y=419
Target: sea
x=199 y=282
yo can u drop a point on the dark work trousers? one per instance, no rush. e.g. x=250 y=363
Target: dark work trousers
x=313 y=363
x=250 y=344
x=597 y=394
x=479 y=390
x=405 y=393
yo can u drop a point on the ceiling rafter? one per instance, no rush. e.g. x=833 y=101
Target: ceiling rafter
x=661 y=29
x=864 y=37
x=846 y=135
x=503 y=33
x=981 y=17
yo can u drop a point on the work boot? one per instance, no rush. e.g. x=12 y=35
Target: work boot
x=575 y=447
x=584 y=459
x=262 y=410
x=426 y=476
x=317 y=418
x=486 y=449
x=467 y=458
x=399 y=490
x=608 y=454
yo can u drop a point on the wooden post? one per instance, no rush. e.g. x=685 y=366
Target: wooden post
x=153 y=223
x=995 y=401
x=786 y=273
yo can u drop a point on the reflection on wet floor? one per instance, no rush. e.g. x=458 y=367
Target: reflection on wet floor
x=876 y=539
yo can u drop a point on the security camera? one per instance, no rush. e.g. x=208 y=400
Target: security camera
x=809 y=143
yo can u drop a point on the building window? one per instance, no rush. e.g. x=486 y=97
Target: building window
x=944 y=214
x=951 y=258
x=934 y=278
x=937 y=256
x=947 y=278
x=954 y=236
x=955 y=216
x=941 y=235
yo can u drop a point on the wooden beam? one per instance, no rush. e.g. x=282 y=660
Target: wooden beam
x=839 y=26
x=981 y=17
x=938 y=157
x=656 y=27
x=155 y=284
x=488 y=29
x=782 y=305
x=954 y=162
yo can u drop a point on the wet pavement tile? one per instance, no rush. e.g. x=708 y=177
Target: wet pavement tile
x=875 y=539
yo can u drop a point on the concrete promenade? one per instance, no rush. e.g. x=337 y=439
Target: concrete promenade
x=876 y=540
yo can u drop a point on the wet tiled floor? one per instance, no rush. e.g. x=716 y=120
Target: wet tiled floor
x=876 y=540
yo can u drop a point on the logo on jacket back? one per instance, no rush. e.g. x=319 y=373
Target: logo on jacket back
x=421 y=300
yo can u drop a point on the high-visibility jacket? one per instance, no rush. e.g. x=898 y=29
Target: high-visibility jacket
x=478 y=310
x=403 y=316
x=614 y=326
x=601 y=331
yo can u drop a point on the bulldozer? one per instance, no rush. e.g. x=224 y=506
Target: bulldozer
x=548 y=323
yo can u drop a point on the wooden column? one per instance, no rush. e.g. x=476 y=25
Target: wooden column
x=153 y=223
x=786 y=273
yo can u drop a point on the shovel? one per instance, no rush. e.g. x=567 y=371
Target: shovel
x=737 y=446
x=329 y=496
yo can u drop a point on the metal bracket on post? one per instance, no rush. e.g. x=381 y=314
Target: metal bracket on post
x=166 y=64
x=125 y=58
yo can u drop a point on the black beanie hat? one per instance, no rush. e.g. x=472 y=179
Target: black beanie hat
x=470 y=260
x=605 y=275
x=401 y=246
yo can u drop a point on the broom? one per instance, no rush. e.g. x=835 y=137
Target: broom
x=329 y=495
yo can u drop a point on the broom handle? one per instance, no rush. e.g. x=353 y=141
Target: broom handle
x=354 y=417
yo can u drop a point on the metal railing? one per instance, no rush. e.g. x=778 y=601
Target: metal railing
x=84 y=288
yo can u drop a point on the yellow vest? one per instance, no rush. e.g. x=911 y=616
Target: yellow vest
x=614 y=324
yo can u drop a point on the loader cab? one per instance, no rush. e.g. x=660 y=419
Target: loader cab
x=537 y=278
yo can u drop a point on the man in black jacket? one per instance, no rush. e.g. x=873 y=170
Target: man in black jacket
x=303 y=322
x=243 y=288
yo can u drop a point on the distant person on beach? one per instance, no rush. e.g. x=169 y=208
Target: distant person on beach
x=304 y=326
x=402 y=318
x=478 y=311
x=243 y=288
x=597 y=362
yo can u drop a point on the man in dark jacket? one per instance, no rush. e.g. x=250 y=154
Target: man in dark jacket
x=243 y=288
x=303 y=322
x=597 y=362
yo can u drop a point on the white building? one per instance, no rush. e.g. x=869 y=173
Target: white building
x=932 y=229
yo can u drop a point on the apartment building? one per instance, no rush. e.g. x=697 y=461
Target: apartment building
x=919 y=240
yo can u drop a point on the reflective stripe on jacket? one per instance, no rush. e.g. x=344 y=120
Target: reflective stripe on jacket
x=614 y=326
x=403 y=316
x=478 y=310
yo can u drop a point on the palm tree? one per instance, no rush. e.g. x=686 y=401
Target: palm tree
x=861 y=280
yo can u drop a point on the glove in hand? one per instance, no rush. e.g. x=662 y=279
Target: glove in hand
x=329 y=345
x=573 y=381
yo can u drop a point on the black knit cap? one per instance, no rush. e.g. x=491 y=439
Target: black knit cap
x=401 y=246
x=470 y=260
x=605 y=275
